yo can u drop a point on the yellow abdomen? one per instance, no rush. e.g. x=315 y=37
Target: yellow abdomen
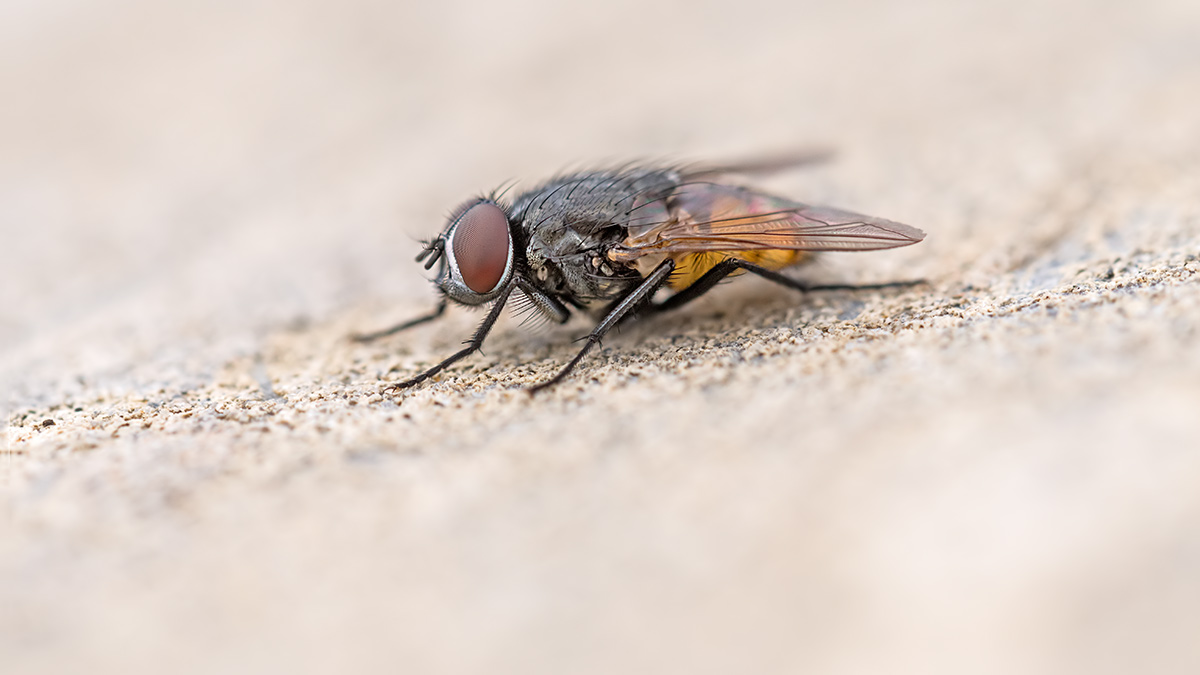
x=691 y=266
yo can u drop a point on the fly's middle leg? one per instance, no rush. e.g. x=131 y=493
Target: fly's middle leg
x=616 y=313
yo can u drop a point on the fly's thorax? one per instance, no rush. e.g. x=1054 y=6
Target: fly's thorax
x=571 y=224
x=564 y=254
x=544 y=272
x=583 y=274
x=592 y=276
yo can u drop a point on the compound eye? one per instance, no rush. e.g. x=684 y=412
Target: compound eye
x=481 y=246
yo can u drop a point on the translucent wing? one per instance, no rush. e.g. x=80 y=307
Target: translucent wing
x=713 y=217
x=759 y=165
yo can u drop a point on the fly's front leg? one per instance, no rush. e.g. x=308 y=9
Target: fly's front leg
x=368 y=337
x=548 y=305
x=433 y=251
x=637 y=296
x=473 y=344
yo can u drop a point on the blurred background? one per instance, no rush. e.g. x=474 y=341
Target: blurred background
x=148 y=149
x=183 y=183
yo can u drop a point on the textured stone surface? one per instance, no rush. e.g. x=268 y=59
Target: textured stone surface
x=999 y=472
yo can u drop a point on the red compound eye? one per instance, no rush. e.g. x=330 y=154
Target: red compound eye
x=481 y=246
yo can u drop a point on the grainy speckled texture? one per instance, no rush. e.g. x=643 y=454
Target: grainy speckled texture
x=997 y=473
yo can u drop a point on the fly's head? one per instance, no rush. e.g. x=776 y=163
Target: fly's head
x=475 y=251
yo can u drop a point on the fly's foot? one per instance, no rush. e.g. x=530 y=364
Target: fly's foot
x=400 y=386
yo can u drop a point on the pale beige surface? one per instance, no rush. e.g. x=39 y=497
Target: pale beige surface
x=997 y=473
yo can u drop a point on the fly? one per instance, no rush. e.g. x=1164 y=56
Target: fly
x=611 y=239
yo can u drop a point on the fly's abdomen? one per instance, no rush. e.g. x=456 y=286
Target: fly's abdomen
x=689 y=267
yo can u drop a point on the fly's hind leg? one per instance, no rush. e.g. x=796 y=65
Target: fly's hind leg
x=804 y=287
x=726 y=267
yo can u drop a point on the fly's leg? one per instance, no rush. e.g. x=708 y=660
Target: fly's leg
x=473 y=344
x=368 y=337
x=548 y=305
x=631 y=301
x=726 y=267
x=698 y=288
x=803 y=287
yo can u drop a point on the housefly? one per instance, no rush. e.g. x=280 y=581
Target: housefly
x=607 y=241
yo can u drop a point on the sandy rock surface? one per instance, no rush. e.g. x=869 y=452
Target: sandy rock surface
x=996 y=472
